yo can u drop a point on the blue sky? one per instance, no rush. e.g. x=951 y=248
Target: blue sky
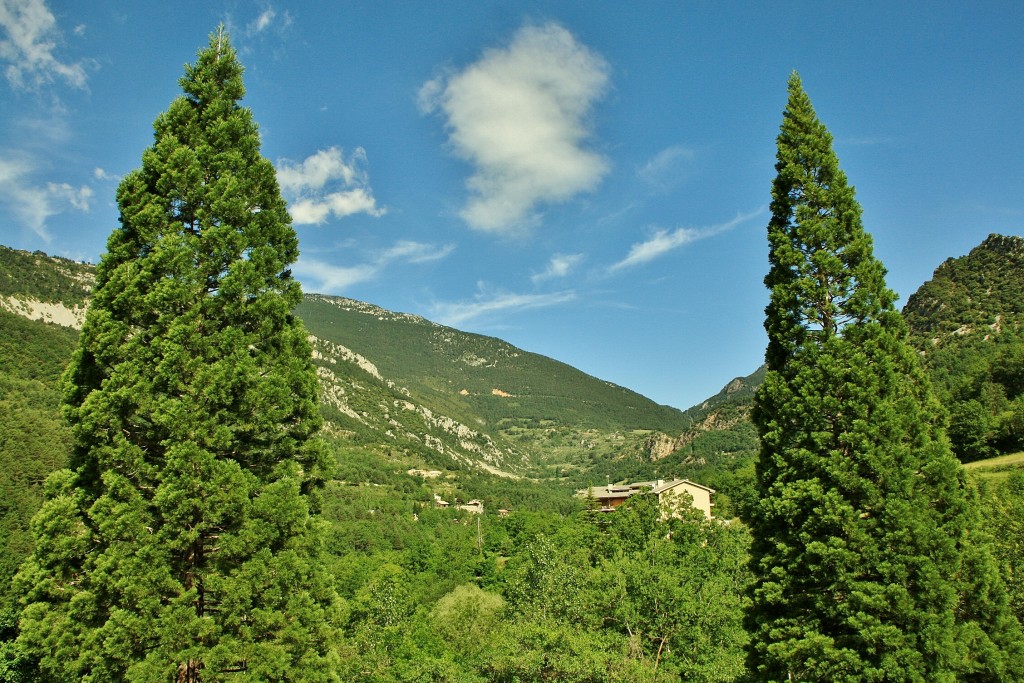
x=586 y=180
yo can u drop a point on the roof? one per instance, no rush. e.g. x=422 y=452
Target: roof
x=626 y=490
x=668 y=485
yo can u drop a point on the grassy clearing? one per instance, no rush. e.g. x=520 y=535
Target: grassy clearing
x=996 y=468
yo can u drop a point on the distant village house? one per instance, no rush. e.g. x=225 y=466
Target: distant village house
x=668 y=492
x=474 y=506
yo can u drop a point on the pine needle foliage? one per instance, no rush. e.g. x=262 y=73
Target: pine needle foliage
x=181 y=542
x=861 y=525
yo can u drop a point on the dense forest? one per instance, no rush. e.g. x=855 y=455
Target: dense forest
x=183 y=499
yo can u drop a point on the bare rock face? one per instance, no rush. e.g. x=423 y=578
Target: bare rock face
x=736 y=385
x=660 y=446
x=50 y=312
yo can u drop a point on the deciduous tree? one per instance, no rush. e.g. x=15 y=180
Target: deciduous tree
x=180 y=544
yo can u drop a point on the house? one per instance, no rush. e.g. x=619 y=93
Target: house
x=474 y=506
x=668 y=493
x=611 y=496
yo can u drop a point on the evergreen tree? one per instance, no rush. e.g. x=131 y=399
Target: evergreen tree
x=862 y=519
x=181 y=543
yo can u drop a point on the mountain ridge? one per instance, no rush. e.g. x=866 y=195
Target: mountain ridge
x=402 y=383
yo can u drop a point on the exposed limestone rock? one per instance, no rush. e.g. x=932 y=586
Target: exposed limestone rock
x=56 y=313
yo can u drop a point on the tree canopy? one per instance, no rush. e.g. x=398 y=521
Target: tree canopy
x=180 y=543
x=862 y=518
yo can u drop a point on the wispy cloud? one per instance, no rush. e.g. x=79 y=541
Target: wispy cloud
x=867 y=140
x=664 y=241
x=328 y=278
x=559 y=266
x=31 y=202
x=268 y=21
x=264 y=20
x=520 y=115
x=29 y=47
x=457 y=313
x=326 y=185
x=101 y=174
x=667 y=167
x=414 y=252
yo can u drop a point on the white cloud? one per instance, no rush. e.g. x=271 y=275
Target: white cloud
x=666 y=167
x=414 y=252
x=317 y=169
x=306 y=184
x=29 y=45
x=520 y=116
x=269 y=23
x=78 y=197
x=31 y=203
x=458 y=313
x=327 y=278
x=661 y=242
x=101 y=174
x=664 y=241
x=559 y=266
x=263 y=20
x=315 y=211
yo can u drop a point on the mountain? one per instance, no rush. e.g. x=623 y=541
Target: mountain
x=36 y=293
x=424 y=409
x=982 y=292
x=411 y=406
x=399 y=392
x=465 y=399
x=967 y=322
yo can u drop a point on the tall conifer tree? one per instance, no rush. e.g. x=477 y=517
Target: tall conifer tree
x=180 y=545
x=861 y=523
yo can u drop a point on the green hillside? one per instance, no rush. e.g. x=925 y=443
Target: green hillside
x=968 y=324
x=457 y=400
x=399 y=393
x=44 y=278
x=480 y=379
x=980 y=293
x=998 y=468
x=34 y=440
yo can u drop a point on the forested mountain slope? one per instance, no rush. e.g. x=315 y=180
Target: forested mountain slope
x=34 y=291
x=448 y=397
x=400 y=393
x=463 y=400
x=479 y=378
x=980 y=293
x=968 y=324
